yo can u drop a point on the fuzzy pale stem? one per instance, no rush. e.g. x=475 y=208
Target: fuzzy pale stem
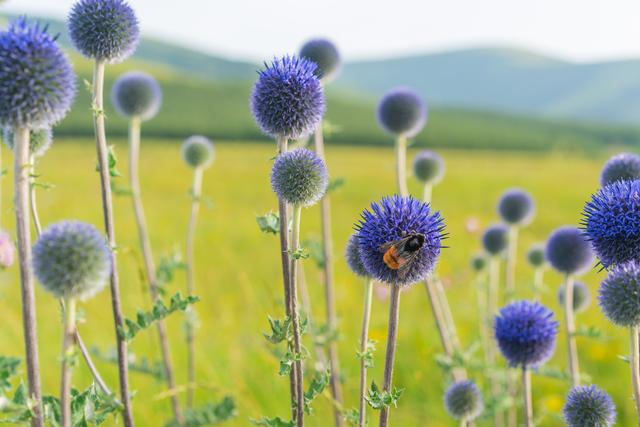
x=327 y=250
x=67 y=359
x=196 y=191
x=295 y=320
x=570 y=329
x=481 y=295
x=401 y=165
x=392 y=337
x=448 y=315
x=21 y=197
x=107 y=205
x=510 y=291
x=538 y=283
x=364 y=340
x=149 y=267
x=32 y=196
x=286 y=275
x=528 y=401
x=89 y=362
x=321 y=363
x=635 y=366
x=492 y=299
x=427 y=192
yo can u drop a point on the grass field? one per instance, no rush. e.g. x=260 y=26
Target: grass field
x=239 y=282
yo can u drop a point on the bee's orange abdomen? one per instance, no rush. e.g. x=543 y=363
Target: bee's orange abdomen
x=391 y=259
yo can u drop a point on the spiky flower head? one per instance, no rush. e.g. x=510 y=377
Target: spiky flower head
x=105 y=30
x=479 y=262
x=589 y=406
x=463 y=401
x=300 y=177
x=198 y=151
x=581 y=296
x=569 y=251
x=37 y=82
x=526 y=333
x=495 y=239
x=136 y=94
x=516 y=207
x=325 y=55
x=621 y=167
x=352 y=255
x=7 y=250
x=536 y=255
x=39 y=140
x=619 y=294
x=402 y=112
x=71 y=259
x=612 y=222
x=391 y=220
x=287 y=100
x=428 y=167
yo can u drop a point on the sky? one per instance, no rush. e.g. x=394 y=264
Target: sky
x=577 y=30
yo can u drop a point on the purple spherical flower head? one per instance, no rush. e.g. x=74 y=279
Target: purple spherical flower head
x=619 y=294
x=495 y=239
x=463 y=401
x=612 y=222
x=588 y=406
x=526 y=333
x=402 y=112
x=287 y=100
x=300 y=177
x=137 y=94
x=7 y=250
x=621 y=167
x=516 y=207
x=352 y=255
x=569 y=251
x=391 y=220
x=581 y=296
x=325 y=55
x=105 y=30
x=37 y=82
x=428 y=167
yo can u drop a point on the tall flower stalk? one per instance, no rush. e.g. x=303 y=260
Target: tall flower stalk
x=107 y=32
x=538 y=261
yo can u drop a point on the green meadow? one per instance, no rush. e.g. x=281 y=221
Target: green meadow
x=239 y=279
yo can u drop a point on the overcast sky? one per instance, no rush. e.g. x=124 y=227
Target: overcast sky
x=580 y=30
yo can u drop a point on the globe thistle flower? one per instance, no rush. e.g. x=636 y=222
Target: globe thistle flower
x=40 y=140
x=568 y=251
x=391 y=220
x=72 y=260
x=198 y=151
x=589 y=406
x=495 y=239
x=37 y=82
x=581 y=296
x=325 y=55
x=136 y=94
x=402 y=112
x=526 y=333
x=536 y=255
x=619 y=294
x=352 y=255
x=621 y=167
x=105 y=30
x=463 y=401
x=300 y=177
x=612 y=222
x=428 y=167
x=479 y=262
x=7 y=250
x=287 y=100
x=516 y=207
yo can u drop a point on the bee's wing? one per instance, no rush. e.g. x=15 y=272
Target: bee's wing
x=384 y=248
x=398 y=243
x=404 y=268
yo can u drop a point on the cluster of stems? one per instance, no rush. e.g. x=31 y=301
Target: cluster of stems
x=570 y=329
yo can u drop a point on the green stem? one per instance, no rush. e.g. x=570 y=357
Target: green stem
x=635 y=367
x=512 y=257
x=570 y=328
x=401 y=165
x=364 y=340
x=390 y=354
x=492 y=309
x=67 y=360
x=297 y=346
x=538 y=283
x=528 y=401
x=427 y=192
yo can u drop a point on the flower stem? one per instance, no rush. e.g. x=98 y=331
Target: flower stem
x=327 y=249
x=321 y=362
x=21 y=197
x=286 y=275
x=512 y=257
x=528 y=401
x=67 y=360
x=401 y=165
x=538 y=283
x=295 y=320
x=364 y=340
x=89 y=362
x=492 y=302
x=196 y=191
x=392 y=337
x=427 y=192
x=32 y=196
x=150 y=271
x=635 y=366
x=107 y=205
x=570 y=327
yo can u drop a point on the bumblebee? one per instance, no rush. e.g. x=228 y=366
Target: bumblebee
x=399 y=255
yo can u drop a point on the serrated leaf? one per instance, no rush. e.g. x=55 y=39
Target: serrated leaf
x=367 y=355
x=137 y=364
x=336 y=184
x=272 y=422
x=315 y=251
x=269 y=223
x=210 y=414
x=378 y=399
x=317 y=386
